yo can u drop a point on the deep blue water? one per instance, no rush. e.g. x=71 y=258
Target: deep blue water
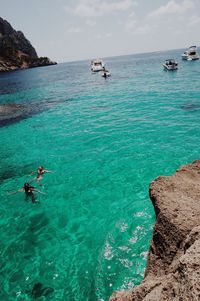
x=105 y=140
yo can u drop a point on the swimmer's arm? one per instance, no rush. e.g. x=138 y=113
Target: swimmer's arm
x=14 y=192
x=32 y=173
x=46 y=170
x=36 y=190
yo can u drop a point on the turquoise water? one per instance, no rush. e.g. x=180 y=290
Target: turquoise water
x=105 y=140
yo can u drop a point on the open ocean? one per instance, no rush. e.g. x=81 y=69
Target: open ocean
x=105 y=140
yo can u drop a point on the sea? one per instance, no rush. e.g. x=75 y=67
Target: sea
x=105 y=140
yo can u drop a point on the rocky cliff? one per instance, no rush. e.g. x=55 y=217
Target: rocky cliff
x=173 y=268
x=16 y=52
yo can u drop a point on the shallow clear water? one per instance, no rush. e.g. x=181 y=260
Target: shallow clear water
x=105 y=140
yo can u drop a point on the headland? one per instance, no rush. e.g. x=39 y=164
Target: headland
x=16 y=52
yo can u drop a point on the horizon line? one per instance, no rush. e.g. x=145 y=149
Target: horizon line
x=120 y=55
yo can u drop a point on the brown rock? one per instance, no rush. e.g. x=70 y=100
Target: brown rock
x=16 y=52
x=173 y=268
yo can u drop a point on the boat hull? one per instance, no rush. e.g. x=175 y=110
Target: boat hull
x=107 y=74
x=190 y=58
x=191 y=54
x=97 y=69
x=170 y=68
x=170 y=65
x=97 y=66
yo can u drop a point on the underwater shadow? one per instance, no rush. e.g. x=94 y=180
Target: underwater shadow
x=12 y=113
x=190 y=106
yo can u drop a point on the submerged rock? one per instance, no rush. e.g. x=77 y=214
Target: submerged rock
x=190 y=106
x=173 y=268
x=38 y=290
x=11 y=113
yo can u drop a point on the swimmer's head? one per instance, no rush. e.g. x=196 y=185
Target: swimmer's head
x=26 y=185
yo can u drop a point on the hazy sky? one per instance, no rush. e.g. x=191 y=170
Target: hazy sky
x=67 y=30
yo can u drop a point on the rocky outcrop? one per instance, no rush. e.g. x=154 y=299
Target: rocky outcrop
x=173 y=268
x=12 y=113
x=16 y=52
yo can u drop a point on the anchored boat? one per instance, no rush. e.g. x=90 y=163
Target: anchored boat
x=105 y=74
x=170 y=64
x=97 y=65
x=191 y=54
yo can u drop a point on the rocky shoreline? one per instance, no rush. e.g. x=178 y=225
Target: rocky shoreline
x=173 y=267
x=12 y=66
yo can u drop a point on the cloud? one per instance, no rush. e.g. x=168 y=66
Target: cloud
x=172 y=7
x=74 y=30
x=103 y=36
x=132 y=14
x=95 y=8
x=130 y=25
x=133 y=27
x=142 y=30
x=194 y=21
x=90 y=23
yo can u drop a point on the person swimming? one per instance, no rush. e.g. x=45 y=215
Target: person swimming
x=39 y=290
x=40 y=172
x=105 y=74
x=29 y=192
x=28 y=189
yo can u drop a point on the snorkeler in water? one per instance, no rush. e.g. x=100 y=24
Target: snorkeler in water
x=40 y=172
x=29 y=192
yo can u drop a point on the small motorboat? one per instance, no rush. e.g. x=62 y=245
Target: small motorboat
x=170 y=64
x=105 y=74
x=97 y=65
x=191 y=54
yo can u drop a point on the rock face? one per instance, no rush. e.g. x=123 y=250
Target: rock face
x=173 y=268
x=16 y=52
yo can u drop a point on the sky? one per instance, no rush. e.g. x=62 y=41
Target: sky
x=70 y=30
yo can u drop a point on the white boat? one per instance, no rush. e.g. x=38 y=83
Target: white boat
x=170 y=64
x=191 y=54
x=97 y=65
x=105 y=73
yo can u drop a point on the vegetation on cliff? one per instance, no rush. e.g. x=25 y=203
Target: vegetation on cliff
x=16 y=52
